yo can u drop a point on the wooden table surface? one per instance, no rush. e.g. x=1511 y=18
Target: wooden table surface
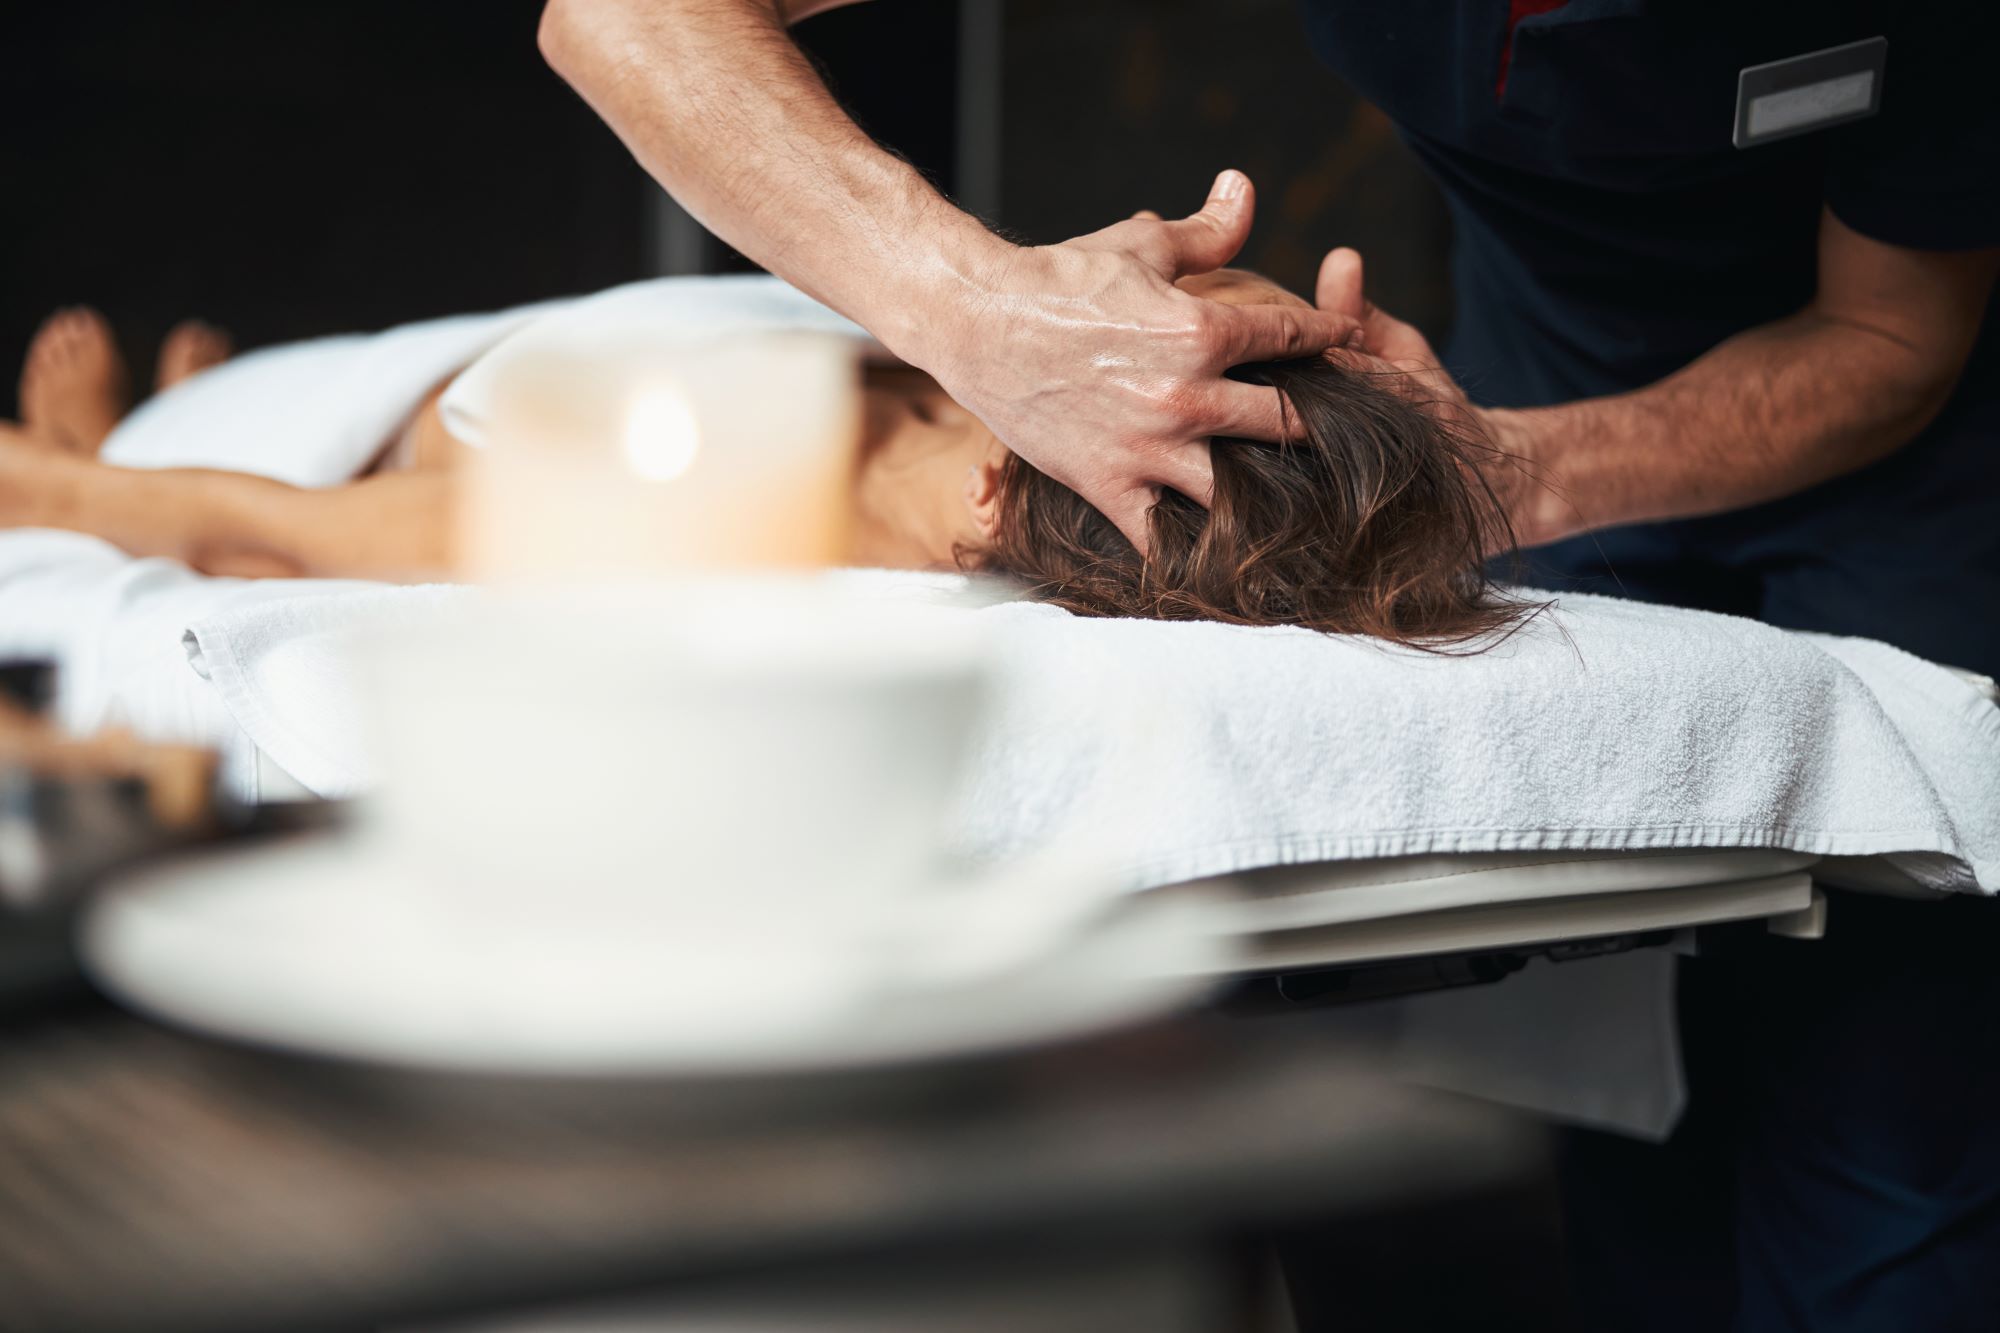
x=154 y=1180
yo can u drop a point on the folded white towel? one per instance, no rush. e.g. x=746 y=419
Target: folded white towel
x=311 y=413
x=1603 y=725
x=608 y=325
x=315 y=413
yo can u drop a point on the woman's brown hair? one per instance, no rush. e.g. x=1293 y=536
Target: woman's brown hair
x=1375 y=521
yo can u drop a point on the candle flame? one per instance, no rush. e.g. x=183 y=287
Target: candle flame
x=661 y=435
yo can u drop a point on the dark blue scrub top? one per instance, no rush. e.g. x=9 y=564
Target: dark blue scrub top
x=1608 y=232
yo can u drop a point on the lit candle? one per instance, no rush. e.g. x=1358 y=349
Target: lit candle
x=646 y=454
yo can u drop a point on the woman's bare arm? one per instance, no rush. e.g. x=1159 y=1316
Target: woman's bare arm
x=393 y=525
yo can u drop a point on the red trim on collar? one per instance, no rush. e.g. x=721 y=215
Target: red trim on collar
x=1516 y=11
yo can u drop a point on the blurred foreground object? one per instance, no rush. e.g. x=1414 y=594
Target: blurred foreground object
x=184 y=1186
x=725 y=853
x=636 y=452
x=71 y=808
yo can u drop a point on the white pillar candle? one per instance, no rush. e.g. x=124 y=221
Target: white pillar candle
x=650 y=455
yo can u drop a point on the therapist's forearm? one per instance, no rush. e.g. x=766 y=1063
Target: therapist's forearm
x=1770 y=412
x=1778 y=408
x=715 y=101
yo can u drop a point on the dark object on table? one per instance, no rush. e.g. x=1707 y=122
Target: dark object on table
x=73 y=810
x=29 y=683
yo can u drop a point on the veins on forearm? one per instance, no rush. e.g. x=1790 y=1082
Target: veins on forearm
x=1772 y=411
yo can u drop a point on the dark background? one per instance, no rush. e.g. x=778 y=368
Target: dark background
x=289 y=168
x=286 y=169
x=1115 y=105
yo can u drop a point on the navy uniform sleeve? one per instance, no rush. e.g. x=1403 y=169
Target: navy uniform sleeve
x=1925 y=172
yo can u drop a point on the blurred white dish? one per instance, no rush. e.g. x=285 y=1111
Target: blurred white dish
x=752 y=746
x=320 y=947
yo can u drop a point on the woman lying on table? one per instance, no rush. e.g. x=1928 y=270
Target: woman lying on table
x=1373 y=522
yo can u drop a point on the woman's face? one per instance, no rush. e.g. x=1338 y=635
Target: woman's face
x=925 y=462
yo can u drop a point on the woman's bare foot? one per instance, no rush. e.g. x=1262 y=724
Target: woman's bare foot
x=74 y=387
x=190 y=348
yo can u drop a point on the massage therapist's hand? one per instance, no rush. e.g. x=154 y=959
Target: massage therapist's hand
x=1535 y=512
x=1086 y=360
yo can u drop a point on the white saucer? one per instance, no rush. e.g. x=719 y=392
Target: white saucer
x=320 y=947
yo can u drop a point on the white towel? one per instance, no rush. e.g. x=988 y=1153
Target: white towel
x=606 y=326
x=1603 y=725
x=115 y=625
x=315 y=413
x=311 y=413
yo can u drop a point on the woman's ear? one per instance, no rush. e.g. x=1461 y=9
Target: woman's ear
x=982 y=491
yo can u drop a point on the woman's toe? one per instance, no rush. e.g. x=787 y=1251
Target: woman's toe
x=74 y=383
x=191 y=347
x=73 y=329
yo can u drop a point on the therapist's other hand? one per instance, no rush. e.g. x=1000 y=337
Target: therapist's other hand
x=1086 y=360
x=1340 y=291
x=1535 y=512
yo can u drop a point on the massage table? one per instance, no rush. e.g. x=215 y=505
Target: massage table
x=1416 y=923
x=1353 y=917
x=116 y=627
x=1458 y=971
x=1364 y=928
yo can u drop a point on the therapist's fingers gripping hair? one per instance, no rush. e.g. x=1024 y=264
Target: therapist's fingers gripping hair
x=1247 y=411
x=1240 y=334
x=1374 y=520
x=1185 y=344
x=1189 y=471
x=1267 y=333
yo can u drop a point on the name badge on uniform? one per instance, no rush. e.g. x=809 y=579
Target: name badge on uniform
x=1810 y=92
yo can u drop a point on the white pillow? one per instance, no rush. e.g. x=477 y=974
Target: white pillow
x=311 y=413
